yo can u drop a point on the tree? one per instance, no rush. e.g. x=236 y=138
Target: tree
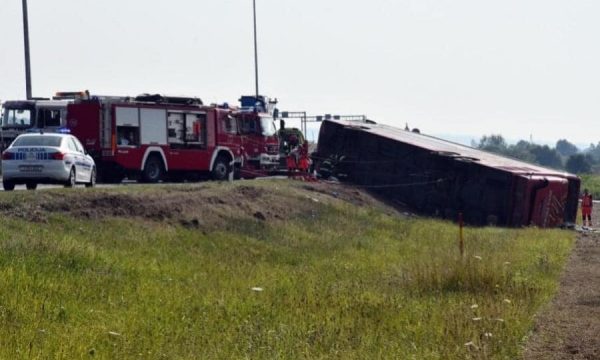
x=521 y=151
x=493 y=143
x=578 y=164
x=565 y=148
x=546 y=156
x=594 y=152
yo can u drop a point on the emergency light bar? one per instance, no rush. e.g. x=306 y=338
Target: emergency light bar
x=62 y=130
x=68 y=95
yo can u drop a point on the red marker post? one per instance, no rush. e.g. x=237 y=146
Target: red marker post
x=461 y=241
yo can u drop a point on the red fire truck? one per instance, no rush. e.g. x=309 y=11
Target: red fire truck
x=257 y=136
x=153 y=137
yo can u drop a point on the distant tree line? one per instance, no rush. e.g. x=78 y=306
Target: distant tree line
x=564 y=155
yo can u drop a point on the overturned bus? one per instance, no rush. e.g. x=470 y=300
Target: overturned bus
x=441 y=178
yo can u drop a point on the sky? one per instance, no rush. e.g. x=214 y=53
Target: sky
x=454 y=68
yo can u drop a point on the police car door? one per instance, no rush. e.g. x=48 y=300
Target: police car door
x=82 y=166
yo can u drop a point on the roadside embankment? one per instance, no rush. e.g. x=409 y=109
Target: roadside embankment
x=261 y=269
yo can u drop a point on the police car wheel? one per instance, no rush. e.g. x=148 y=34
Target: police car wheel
x=71 y=181
x=8 y=185
x=92 y=182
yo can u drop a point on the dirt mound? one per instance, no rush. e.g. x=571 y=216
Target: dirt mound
x=195 y=205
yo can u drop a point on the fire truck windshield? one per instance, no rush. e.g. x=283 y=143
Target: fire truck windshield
x=17 y=117
x=267 y=126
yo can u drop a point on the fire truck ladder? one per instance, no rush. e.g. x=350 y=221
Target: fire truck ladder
x=166 y=99
x=86 y=96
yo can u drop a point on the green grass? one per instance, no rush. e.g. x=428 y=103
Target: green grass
x=592 y=183
x=341 y=282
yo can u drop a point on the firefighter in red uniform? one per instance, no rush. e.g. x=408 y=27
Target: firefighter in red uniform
x=304 y=161
x=586 y=208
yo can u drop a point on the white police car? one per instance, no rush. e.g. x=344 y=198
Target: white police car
x=46 y=158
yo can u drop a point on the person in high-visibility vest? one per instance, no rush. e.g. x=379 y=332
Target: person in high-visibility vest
x=304 y=160
x=587 y=205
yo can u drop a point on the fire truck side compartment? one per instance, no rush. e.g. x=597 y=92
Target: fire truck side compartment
x=153 y=126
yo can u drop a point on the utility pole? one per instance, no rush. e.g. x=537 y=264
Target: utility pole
x=27 y=59
x=255 y=49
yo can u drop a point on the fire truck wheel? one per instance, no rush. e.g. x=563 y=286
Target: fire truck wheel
x=220 y=169
x=8 y=185
x=153 y=171
x=92 y=182
x=72 y=180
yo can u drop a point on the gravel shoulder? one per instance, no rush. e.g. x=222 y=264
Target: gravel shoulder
x=569 y=328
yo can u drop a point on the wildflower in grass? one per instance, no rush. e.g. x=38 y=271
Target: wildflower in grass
x=474 y=306
x=257 y=289
x=507 y=301
x=478 y=257
x=507 y=263
x=487 y=334
x=471 y=345
x=476 y=319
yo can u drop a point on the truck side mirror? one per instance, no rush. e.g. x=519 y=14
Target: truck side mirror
x=282 y=124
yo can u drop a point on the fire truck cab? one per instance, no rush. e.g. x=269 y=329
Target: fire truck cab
x=153 y=137
x=258 y=136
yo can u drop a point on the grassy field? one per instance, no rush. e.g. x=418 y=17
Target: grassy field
x=337 y=281
x=592 y=183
